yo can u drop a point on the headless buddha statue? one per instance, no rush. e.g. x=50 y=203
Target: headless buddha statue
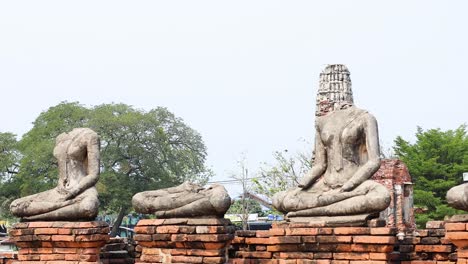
x=75 y=197
x=185 y=200
x=338 y=189
x=457 y=197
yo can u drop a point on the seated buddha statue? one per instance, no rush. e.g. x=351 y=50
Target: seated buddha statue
x=347 y=154
x=75 y=196
x=185 y=200
x=457 y=197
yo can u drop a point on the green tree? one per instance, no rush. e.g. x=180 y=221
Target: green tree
x=436 y=162
x=9 y=164
x=283 y=175
x=237 y=207
x=139 y=151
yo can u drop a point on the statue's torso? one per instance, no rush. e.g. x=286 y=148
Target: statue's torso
x=343 y=137
x=71 y=156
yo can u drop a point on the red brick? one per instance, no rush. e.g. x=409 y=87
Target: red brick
x=20 y=232
x=261 y=248
x=302 y=231
x=41 y=250
x=309 y=239
x=457 y=235
x=65 y=250
x=64 y=231
x=257 y=240
x=92 y=224
x=262 y=233
x=433 y=248
x=186 y=259
x=91 y=231
x=368 y=262
x=72 y=257
x=238 y=240
x=287 y=261
x=166 y=229
x=352 y=231
x=89 y=250
x=214 y=260
x=63 y=238
x=150 y=222
x=277 y=232
x=45 y=231
x=151 y=258
x=379 y=256
x=374 y=239
x=86 y=257
x=351 y=256
x=208 y=221
x=435 y=224
x=296 y=255
x=213 y=245
x=455 y=226
x=284 y=240
x=382 y=231
x=95 y=237
x=203 y=237
x=141 y=237
x=205 y=253
x=334 y=239
x=212 y=229
x=371 y=248
x=40 y=224
x=47 y=257
x=245 y=254
x=20 y=225
x=29 y=257
x=283 y=247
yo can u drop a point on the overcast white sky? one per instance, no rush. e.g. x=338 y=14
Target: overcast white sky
x=242 y=73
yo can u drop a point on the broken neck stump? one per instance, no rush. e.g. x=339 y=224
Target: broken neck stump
x=183 y=240
x=66 y=242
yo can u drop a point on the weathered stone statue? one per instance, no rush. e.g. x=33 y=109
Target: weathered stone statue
x=75 y=197
x=185 y=200
x=338 y=189
x=457 y=197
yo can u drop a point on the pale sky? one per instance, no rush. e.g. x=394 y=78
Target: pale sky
x=242 y=73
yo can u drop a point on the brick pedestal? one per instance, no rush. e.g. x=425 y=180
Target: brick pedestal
x=60 y=242
x=456 y=231
x=305 y=243
x=183 y=240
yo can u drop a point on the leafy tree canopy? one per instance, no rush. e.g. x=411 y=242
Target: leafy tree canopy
x=239 y=206
x=436 y=162
x=283 y=174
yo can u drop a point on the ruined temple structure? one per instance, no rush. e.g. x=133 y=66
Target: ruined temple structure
x=394 y=175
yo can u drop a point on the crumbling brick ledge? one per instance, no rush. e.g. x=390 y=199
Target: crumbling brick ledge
x=183 y=240
x=59 y=242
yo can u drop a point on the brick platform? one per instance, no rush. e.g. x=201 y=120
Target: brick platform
x=183 y=240
x=64 y=242
x=305 y=243
x=427 y=246
x=457 y=233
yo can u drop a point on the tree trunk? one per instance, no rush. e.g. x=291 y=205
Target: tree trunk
x=118 y=222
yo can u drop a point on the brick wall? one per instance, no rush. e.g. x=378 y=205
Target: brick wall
x=299 y=243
